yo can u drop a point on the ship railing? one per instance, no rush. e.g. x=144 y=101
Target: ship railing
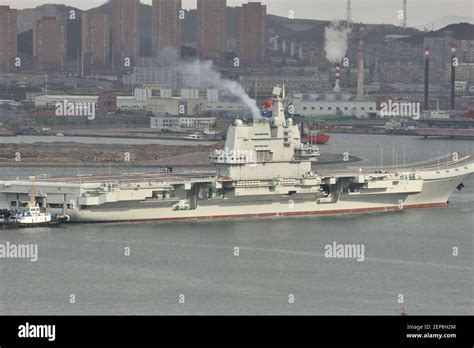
x=395 y=170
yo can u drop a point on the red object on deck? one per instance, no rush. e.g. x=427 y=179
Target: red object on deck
x=268 y=104
x=318 y=139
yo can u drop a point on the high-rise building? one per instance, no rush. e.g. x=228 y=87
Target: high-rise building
x=8 y=35
x=440 y=56
x=49 y=43
x=211 y=30
x=252 y=34
x=125 y=33
x=95 y=41
x=166 y=25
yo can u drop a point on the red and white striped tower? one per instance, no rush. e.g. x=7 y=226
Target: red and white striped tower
x=337 y=88
x=427 y=73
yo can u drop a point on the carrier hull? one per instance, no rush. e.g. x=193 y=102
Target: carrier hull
x=435 y=193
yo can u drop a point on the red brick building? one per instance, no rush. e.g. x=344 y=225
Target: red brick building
x=125 y=32
x=95 y=42
x=252 y=34
x=108 y=102
x=166 y=25
x=8 y=37
x=49 y=44
x=211 y=30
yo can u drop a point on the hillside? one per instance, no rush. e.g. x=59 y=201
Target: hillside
x=461 y=31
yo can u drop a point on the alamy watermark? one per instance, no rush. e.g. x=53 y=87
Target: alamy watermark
x=68 y=108
x=346 y=251
x=19 y=251
x=402 y=109
x=37 y=331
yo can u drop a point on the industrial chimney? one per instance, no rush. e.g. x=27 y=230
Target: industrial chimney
x=453 y=74
x=360 y=67
x=427 y=73
x=337 y=88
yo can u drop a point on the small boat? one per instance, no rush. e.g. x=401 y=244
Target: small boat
x=313 y=136
x=30 y=217
x=195 y=136
x=318 y=138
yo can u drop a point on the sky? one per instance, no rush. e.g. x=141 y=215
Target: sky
x=420 y=12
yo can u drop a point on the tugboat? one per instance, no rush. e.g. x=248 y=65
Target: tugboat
x=31 y=216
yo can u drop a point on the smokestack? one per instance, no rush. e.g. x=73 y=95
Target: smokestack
x=453 y=74
x=360 y=68
x=427 y=73
x=337 y=88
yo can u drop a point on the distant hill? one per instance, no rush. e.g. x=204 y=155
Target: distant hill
x=445 y=21
x=461 y=31
x=27 y=17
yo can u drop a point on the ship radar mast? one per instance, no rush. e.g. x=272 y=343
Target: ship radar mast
x=278 y=118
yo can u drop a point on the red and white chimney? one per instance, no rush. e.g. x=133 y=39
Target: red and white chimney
x=337 y=88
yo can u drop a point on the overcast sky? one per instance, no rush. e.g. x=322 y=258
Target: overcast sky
x=420 y=12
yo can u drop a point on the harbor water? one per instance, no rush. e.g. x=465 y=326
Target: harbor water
x=420 y=259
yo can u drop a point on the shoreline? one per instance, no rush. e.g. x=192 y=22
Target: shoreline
x=326 y=160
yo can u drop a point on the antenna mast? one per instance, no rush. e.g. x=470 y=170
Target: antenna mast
x=405 y=13
x=349 y=12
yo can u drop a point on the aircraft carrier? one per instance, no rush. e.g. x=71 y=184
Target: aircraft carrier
x=265 y=170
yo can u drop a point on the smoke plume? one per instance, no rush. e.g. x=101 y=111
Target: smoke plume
x=200 y=74
x=335 y=44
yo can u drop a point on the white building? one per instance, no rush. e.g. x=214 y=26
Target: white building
x=197 y=122
x=137 y=102
x=163 y=106
x=156 y=75
x=164 y=122
x=166 y=93
x=212 y=95
x=167 y=122
x=142 y=94
x=333 y=105
x=130 y=103
x=224 y=106
x=47 y=101
x=189 y=93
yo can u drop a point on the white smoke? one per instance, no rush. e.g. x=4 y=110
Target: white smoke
x=200 y=74
x=335 y=45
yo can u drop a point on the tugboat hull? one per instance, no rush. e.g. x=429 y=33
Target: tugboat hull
x=14 y=225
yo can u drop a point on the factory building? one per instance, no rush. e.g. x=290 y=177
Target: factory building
x=337 y=105
x=169 y=122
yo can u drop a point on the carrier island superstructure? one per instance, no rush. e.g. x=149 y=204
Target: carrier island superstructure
x=264 y=171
